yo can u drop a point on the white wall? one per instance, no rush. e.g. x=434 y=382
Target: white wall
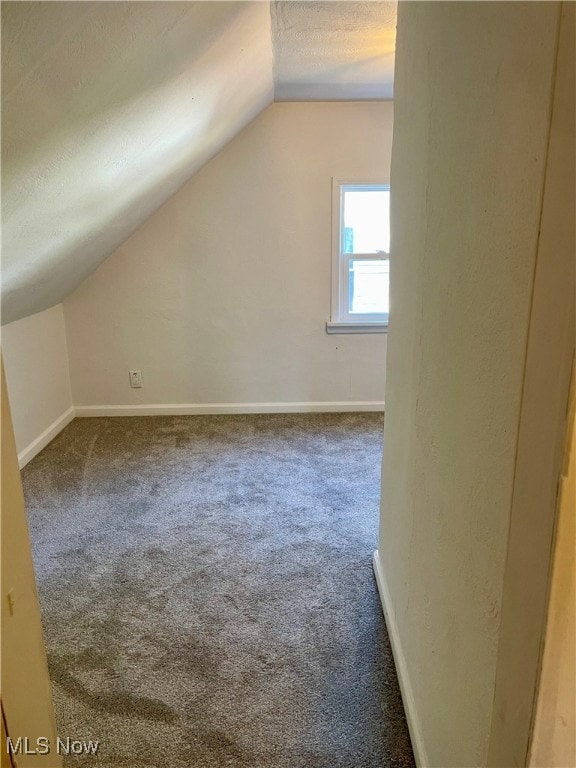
x=222 y=296
x=37 y=375
x=472 y=113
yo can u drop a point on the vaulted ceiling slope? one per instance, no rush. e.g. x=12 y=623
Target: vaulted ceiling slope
x=109 y=107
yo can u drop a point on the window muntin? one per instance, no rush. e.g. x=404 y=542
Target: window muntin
x=361 y=266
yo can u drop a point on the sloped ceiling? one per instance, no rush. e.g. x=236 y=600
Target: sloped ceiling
x=109 y=107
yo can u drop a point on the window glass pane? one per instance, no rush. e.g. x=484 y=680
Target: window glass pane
x=368 y=285
x=366 y=226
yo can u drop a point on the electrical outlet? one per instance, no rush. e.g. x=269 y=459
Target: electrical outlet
x=135 y=379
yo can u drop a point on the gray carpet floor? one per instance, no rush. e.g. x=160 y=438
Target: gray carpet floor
x=207 y=592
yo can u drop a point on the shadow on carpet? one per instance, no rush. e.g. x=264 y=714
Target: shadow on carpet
x=207 y=592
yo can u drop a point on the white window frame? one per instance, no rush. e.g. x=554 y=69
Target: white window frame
x=341 y=320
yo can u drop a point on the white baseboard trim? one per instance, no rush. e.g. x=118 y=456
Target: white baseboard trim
x=208 y=409
x=46 y=437
x=401 y=668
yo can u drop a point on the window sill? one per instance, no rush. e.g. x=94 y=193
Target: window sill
x=379 y=327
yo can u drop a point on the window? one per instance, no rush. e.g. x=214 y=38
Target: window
x=360 y=257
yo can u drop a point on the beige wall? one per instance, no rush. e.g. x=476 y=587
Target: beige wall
x=472 y=112
x=36 y=361
x=222 y=296
x=542 y=425
x=26 y=693
x=553 y=742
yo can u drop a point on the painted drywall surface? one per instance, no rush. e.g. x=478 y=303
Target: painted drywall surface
x=472 y=105
x=107 y=109
x=554 y=735
x=37 y=375
x=26 y=694
x=223 y=295
x=543 y=424
x=328 y=50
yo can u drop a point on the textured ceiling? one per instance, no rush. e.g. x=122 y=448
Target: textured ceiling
x=109 y=107
x=333 y=50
